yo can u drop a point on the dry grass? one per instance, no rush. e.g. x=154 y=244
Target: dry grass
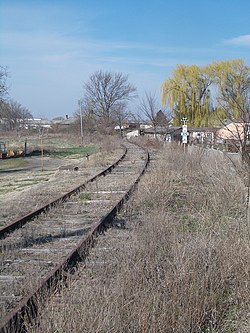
x=182 y=264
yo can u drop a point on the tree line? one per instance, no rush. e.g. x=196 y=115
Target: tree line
x=206 y=96
x=105 y=103
x=12 y=113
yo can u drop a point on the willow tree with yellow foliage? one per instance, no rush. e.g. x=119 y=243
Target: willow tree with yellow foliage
x=232 y=79
x=188 y=94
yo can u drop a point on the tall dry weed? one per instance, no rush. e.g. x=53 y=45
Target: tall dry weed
x=185 y=264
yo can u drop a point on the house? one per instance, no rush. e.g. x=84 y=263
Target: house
x=204 y=135
x=235 y=131
x=133 y=134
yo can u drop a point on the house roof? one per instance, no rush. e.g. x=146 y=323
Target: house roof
x=161 y=130
x=177 y=129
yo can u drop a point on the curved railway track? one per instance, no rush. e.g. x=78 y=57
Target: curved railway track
x=18 y=223
x=63 y=231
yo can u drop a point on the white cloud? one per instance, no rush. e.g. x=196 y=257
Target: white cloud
x=243 y=40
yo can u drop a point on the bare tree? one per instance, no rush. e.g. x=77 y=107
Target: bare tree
x=14 y=114
x=151 y=109
x=3 y=85
x=104 y=92
x=121 y=115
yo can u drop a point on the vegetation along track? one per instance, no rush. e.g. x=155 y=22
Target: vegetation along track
x=63 y=232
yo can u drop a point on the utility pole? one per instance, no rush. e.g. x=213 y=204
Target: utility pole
x=81 y=124
x=25 y=147
x=42 y=152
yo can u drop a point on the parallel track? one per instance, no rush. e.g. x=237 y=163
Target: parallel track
x=64 y=234
x=4 y=231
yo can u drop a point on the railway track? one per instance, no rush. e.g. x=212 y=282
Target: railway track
x=28 y=189
x=62 y=231
x=49 y=197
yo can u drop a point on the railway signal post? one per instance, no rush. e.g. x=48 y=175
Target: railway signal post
x=81 y=120
x=184 y=133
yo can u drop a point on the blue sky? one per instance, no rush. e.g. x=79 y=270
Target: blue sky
x=51 y=47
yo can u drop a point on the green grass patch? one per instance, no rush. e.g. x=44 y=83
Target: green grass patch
x=5 y=190
x=85 y=196
x=188 y=224
x=13 y=163
x=69 y=152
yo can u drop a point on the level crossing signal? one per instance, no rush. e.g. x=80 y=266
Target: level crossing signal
x=184 y=132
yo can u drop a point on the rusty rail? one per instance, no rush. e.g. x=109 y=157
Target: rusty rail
x=27 y=310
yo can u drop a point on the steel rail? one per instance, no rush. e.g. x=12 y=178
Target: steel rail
x=27 y=310
x=4 y=231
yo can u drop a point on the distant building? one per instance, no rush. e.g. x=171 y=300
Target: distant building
x=162 y=133
x=37 y=123
x=235 y=131
x=206 y=135
x=133 y=134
